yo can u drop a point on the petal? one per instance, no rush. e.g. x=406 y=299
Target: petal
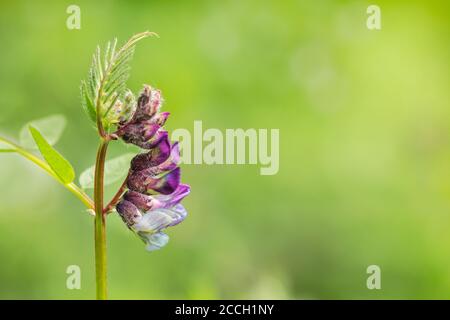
x=159 y=219
x=145 y=202
x=145 y=182
x=143 y=164
x=136 y=181
x=179 y=214
x=153 y=221
x=129 y=213
x=142 y=201
x=172 y=161
x=166 y=201
x=140 y=161
x=154 y=157
x=156 y=241
x=154 y=140
x=165 y=184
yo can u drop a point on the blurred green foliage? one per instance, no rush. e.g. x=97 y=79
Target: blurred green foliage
x=364 y=121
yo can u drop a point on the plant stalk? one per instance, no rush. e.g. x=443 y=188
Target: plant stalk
x=72 y=187
x=116 y=197
x=100 y=223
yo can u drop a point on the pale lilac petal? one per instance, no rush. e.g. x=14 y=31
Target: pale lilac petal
x=159 y=219
x=156 y=241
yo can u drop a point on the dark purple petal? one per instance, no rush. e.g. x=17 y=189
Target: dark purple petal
x=151 y=143
x=161 y=151
x=143 y=183
x=150 y=168
x=129 y=212
x=156 y=156
x=172 y=161
x=136 y=181
x=165 y=184
x=140 y=162
x=141 y=201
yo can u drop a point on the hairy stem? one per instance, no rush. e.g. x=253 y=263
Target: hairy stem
x=100 y=223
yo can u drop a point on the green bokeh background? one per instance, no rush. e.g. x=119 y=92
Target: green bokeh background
x=364 y=121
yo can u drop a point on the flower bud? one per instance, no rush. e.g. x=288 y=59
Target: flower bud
x=138 y=133
x=129 y=106
x=149 y=102
x=129 y=213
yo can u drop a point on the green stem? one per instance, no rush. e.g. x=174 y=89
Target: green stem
x=100 y=223
x=72 y=187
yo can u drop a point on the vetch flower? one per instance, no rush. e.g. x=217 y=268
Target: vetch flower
x=152 y=202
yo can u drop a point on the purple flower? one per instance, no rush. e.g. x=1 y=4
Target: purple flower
x=145 y=202
x=152 y=202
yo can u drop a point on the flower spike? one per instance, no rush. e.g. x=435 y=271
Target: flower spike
x=152 y=202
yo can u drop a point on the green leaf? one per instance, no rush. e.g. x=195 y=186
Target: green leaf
x=106 y=82
x=115 y=169
x=60 y=166
x=87 y=103
x=50 y=127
